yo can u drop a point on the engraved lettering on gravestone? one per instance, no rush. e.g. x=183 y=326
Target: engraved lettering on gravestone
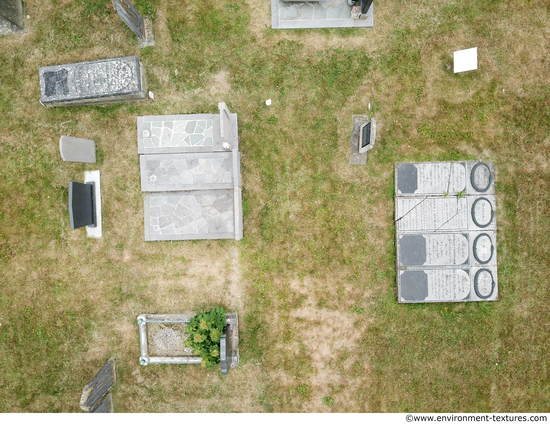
x=439 y=178
x=448 y=284
x=483 y=248
x=130 y=16
x=482 y=212
x=484 y=283
x=12 y=10
x=481 y=177
x=433 y=249
x=56 y=83
x=438 y=213
x=107 y=77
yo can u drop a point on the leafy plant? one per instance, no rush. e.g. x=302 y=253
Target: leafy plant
x=327 y=400
x=205 y=330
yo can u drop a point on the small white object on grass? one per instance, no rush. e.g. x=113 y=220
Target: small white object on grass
x=369 y=106
x=465 y=60
x=151 y=95
x=268 y=102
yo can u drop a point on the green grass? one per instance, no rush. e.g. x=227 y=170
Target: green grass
x=313 y=279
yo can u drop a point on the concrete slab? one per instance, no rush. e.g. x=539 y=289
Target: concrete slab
x=321 y=14
x=356 y=158
x=74 y=149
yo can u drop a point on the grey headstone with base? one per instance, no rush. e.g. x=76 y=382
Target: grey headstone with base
x=131 y=17
x=445 y=232
x=363 y=134
x=11 y=16
x=77 y=149
x=104 y=81
x=95 y=392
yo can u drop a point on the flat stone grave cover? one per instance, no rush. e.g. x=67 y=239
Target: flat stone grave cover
x=445 y=232
x=96 y=82
x=190 y=171
x=318 y=14
x=74 y=149
x=190 y=215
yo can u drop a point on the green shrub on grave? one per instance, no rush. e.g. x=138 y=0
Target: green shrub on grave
x=205 y=330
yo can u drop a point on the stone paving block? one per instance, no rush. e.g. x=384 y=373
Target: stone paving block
x=190 y=171
x=190 y=215
x=77 y=149
x=104 y=81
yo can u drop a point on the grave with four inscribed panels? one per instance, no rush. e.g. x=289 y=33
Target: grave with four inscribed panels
x=446 y=232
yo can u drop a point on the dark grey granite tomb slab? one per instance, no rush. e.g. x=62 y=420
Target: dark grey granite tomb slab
x=316 y=14
x=445 y=232
x=97 y=389
x=115 y=80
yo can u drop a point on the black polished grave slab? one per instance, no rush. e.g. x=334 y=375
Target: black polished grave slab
x=81 y=205
x=98 y=388
x=97 y=82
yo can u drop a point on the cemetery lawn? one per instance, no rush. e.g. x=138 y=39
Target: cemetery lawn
x=313 y=280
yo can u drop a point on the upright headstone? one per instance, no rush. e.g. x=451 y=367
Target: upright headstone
x=103 y=81
x=363 y=135
x=11 y=16
x=77 y=149
x=367 y=136
x=81 y=205
x=131 y=17
x=445 y=232
x=96 y=396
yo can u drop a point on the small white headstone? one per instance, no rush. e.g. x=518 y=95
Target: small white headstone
x=465 y=60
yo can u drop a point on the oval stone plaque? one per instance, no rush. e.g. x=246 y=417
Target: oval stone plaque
x=483 y=248
x=481 y=177
x=484 y=284
x=482 y=212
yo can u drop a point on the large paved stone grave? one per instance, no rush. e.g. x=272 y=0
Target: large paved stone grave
x=316 y=14
x=121 y=79
x=190 y=169
x=445 y=218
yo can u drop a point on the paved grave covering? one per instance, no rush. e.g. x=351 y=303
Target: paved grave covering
x=115 y=80
x=190 y=167
x=446 y=232
x=316 y=14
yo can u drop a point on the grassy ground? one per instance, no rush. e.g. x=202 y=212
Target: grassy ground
x=313 y=280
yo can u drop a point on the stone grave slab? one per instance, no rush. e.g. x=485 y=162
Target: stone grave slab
x=316 y=14
x=190 y=171
x=105 y=406
x=445 y=232
x=465 y=60
x=162 y=338
x=191 y=215
x=130 y=16
x=77 y=149
x=12 y=17
x=96 y=390
x=104 y=81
